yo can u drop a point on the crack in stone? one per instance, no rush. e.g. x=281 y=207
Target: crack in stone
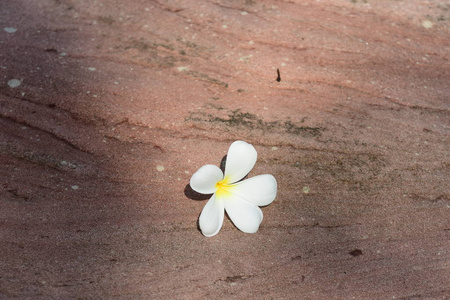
x=234 y=279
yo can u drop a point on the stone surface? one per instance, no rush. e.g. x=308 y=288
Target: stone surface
x=120 y=102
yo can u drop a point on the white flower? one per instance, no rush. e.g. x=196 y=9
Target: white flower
x=240 y=199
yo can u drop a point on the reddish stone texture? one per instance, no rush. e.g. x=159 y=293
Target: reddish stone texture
x=117 y=103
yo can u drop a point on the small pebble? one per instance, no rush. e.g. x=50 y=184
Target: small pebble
x=427 y=24
x=13 y=83
x=160 y=168
x=74 y=187
x=10 y=29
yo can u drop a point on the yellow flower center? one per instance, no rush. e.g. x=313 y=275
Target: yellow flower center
x=223 y=188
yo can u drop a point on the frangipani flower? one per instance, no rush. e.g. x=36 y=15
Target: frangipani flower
x=240 y=199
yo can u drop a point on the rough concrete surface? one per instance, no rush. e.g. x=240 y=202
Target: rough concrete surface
x=107 y=108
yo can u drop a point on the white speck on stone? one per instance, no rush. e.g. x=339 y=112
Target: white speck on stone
x=186 y=172
x=160 y=168
x=427 y=24
x=183 y=69
x=63 y=162
x=13 y=83
x=251 y=42
x=224 y=26
x=75 y=187
x=244 y=13
x=92 y=69
x=10 y=29
x=305 y=190
x=245 y=59
x=274 y=148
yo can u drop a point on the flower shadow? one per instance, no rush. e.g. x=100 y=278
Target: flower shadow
x=223 y=162
x=191 y=194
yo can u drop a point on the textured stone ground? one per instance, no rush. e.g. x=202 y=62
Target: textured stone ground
x=108 y=107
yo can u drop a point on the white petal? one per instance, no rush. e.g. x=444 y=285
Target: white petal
x=245 y=215
x=211 y=218
x=260 y=190
x=204 y=180
x=241 y=158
